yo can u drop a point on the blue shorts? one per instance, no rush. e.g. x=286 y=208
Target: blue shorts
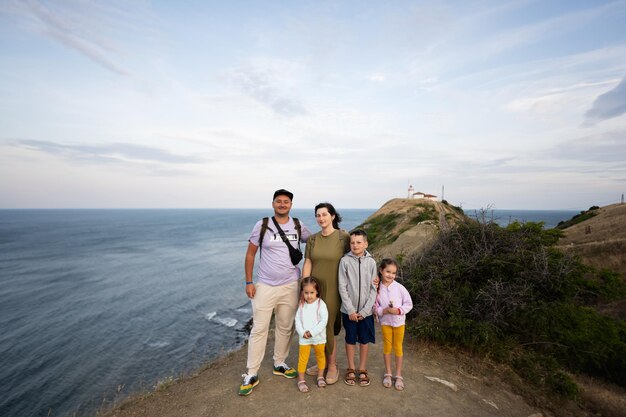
x=361 y=331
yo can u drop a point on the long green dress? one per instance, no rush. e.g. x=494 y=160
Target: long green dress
x=325 y=252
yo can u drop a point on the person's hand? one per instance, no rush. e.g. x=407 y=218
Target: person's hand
x=359 y=317
x=354 y=317
x=250 y=290
x=307 y=335
x=376 y=281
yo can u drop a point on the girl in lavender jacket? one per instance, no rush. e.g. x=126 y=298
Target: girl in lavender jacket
x=392 y=303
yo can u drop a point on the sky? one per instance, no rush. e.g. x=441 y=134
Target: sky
x=214 y=104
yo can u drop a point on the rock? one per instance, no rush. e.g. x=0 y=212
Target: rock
x=444 y=382
x=491 y=403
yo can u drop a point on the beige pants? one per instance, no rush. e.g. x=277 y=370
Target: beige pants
x=281 y=300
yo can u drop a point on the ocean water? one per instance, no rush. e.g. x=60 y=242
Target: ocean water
x=550 y=218
x=97 y=304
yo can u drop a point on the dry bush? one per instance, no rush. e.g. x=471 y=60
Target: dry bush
x=498 y=290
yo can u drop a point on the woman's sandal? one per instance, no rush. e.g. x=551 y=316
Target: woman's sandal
x=387 y=380
x=332 y=378
x=302 y=386
x=399 y=385
x=364 y=380
x=350 y=378
x=321 y=382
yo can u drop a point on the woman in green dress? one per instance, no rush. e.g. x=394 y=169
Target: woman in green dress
x=321 y=260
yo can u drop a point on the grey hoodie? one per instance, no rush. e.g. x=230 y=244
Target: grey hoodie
x=356 y=288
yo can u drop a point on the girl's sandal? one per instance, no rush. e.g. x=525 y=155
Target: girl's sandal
x=387 y=380
x=364 y=380
x=302 y=386
x=350 y=378
x=399 y=385
x=321 y=382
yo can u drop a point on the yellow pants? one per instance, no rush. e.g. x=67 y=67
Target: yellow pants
x=392 y=337
x=305 y=351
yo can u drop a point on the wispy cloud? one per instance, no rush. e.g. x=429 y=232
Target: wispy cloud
x=479 y=49
x=607 y=147
x=540 y=31
x=608 y=105
x=81 y=27
x=377 y=77
x=155 y=159
x=262 y=86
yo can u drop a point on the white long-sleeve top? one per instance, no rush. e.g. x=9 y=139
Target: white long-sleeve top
x=313 y=318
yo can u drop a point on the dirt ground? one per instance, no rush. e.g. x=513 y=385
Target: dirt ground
x=438 y=382
x=462 y=390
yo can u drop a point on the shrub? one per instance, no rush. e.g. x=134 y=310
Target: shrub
x=578 y=218
x=428 y=213
x=544 y=371
x=453 y=207
x=489 y=289
x=579 y=338
x=379 y=228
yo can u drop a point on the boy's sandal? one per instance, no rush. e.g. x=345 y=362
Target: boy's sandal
x=399 y=385
x=387 y=380
x=350 y=378
x=364 y=380
x=331 y=378
x=321 y=382
x=302 y=386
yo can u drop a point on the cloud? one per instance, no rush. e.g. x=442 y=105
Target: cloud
x=608 y=105
x=602 y=148
x=260 y=85
x=115 y=153
x=75 y=25
x=377 y=77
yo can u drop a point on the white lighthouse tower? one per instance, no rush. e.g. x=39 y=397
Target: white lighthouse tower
x=411 y=191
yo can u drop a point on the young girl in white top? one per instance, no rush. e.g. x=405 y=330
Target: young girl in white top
x=311 y=319
x=392 y=303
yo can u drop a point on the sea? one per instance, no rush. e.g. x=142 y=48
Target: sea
x=99 y=304
x=503 y=217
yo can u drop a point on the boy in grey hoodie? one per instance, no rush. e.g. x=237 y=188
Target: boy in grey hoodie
x=357 y=271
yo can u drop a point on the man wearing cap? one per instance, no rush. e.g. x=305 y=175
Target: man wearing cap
x=275 y=290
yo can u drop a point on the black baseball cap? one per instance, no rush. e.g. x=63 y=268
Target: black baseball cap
x=282 y=191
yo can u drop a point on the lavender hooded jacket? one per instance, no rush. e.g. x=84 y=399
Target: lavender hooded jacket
x=398 y=295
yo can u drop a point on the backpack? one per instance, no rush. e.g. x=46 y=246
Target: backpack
x=264 y=227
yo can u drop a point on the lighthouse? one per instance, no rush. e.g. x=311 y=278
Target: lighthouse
x=411 y=191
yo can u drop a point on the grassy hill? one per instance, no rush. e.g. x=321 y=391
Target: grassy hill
x=531 y=298
x=403 y=226
x=599 y=238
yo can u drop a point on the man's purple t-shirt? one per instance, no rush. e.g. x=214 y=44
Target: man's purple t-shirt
x=275 y=267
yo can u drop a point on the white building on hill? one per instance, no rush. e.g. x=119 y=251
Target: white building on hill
x=417 y=195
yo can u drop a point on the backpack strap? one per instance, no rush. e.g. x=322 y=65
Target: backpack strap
x=263 y=230
x=264 y=227
x=344 y=238
x=298 y=229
